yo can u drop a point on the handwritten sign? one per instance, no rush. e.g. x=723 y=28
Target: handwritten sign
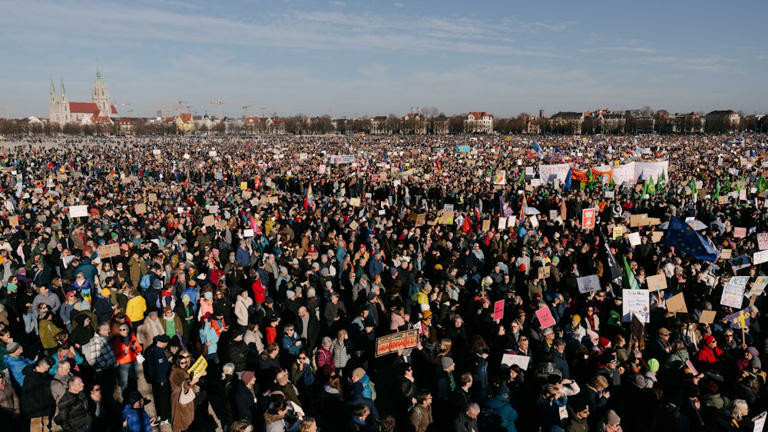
x=109 y=251
x=498 y=310
x=140 y=209
x=634 y=239
x=739 y=320
x=758 y=287
x=676 y=303
x=638 y=220
x=636 y=302
x=514 y=359
x=544 y=272
x=588 y=284
x=396 y=341
x=726 y=254
x=739 y=232
x=656 y=236
x=544 y=315
x=198 y=366
x=707 y=317
x=733 y=292
x=588 y=218
x=656 y=282
x=760 y=257
x=762 y=241
x=78 y=211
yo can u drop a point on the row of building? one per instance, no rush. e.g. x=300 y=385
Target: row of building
x=101 y=112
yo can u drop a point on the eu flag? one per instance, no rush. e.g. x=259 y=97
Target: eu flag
x=567 y=183
x=686 y=239
x=536 y=147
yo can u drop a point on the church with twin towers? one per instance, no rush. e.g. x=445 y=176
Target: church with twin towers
x=98 y=111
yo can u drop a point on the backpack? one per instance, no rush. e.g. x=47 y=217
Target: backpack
x=145 y=282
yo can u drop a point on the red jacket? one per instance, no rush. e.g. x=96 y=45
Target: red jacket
x=259 y=294
x=708 y=355
x=133 y=350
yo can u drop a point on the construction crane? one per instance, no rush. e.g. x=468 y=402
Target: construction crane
x=245 y=110
x=220 y=103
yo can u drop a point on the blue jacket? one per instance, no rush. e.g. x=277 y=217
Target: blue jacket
x=208 y=334
x=17 y=365
x=289 y=344
x=501 y=407
x=137 y=420
x=157 y=365
x=242 y=257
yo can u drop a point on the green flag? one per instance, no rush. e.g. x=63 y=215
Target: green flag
x=692 y=186
x=762 y=185
x=628 y=277
x=611 y=183
x=521 y=179
x=645 y=189
x=651 y=187
x=717 y=188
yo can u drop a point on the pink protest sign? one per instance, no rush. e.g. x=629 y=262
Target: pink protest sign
x=545 y=317
x=498 y=310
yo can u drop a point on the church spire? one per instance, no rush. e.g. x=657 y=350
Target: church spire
x=63 y=91
x=53 y=89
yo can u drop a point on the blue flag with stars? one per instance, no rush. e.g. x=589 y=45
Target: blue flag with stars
x=686 y=239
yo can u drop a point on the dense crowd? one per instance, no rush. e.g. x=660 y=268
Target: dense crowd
x=247 y=281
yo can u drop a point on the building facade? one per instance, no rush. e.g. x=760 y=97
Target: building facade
x=99 y=111
x=478 y=122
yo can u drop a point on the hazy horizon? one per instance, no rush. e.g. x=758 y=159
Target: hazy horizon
x=375 y=58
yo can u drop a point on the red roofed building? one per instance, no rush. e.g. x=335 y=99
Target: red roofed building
x=478 y=122
x=61 y=111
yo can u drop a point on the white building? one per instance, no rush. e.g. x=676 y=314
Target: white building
x=99 y=110
x=478 y=122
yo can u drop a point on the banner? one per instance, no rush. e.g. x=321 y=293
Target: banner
x=341 y=159
x=108 y=251
x=396 y=341
x=464 y=148
x=623 y=173
x=733 y=292
x=651 y=170
x=550 y=173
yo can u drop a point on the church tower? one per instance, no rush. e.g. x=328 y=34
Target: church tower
x=100 y=96
x=63 y=108
x=52 y=112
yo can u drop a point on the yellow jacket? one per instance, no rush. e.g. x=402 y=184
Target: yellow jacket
x=135 y=308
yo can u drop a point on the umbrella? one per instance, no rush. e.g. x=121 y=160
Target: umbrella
x=717 y=226
x=697 y=225
x=664 y=226
x=531 y=211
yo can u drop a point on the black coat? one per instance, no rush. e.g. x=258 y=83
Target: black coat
x=74 y=412
x=313 y=329
x=238 y=355
x=244 y=401
x=36 y=397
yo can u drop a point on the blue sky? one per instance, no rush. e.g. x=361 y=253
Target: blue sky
x=366 y=57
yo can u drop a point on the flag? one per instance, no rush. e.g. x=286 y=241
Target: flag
x=611 y=183
x=568 y=178
x=613 y=265
x=686 y=239
x=309 y=198
x=499 y=178
x=645 y=189
x=762 y=185
x=628 y=277
x=717 y=188
x=660 y=181
x=537 y=148
x=522 y=209
x=521 y=179
x=693 y=187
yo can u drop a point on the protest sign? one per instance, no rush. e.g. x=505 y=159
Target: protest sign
x=198 y=366
x=588 y=218
x=78 y=211
x=656 y=282
x=588 y=284
x=354 y=202
x=247 y=233
x=553 y=214
x=638 y=220
x=514 y=359
x=759 y=257
x=676 y=303
x=544 y=315
x=486 y=225
x=691 y=367
x=707 y=317
x=634 y=239
x=635 y=302
x=109 y=250
x=733 y=292
x=395 y=342
x=534 y=221
x=618 y=231
x=762 y=241
x=13 y=221
x=140 y=209
x=739 y=232
x=152 y=197
x=213 y=209
x=725 y=254
x=209 y=220
x=552 y=173
x=502 y=223
x=498 y=310
x=758 y=422
x=758 y=287
x=739 y=320
x=656 y=236
x=544 y=272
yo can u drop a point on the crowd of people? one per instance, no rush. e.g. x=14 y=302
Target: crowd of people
x=246 y=281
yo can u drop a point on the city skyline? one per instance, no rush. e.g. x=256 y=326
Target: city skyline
x=375 y=58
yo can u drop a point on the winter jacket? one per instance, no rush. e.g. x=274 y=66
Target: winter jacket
x=74 y=412
x=36 y=397
x=157 y=366
x=16 y=365
x=501 y=407
x=137 y=420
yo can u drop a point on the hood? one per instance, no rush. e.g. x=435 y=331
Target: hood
x=497 y=402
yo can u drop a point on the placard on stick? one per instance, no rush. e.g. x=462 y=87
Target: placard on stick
x=544 y=315
x=707 y=317
x=109 y=250
x=656 y=282
x=78 y=211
